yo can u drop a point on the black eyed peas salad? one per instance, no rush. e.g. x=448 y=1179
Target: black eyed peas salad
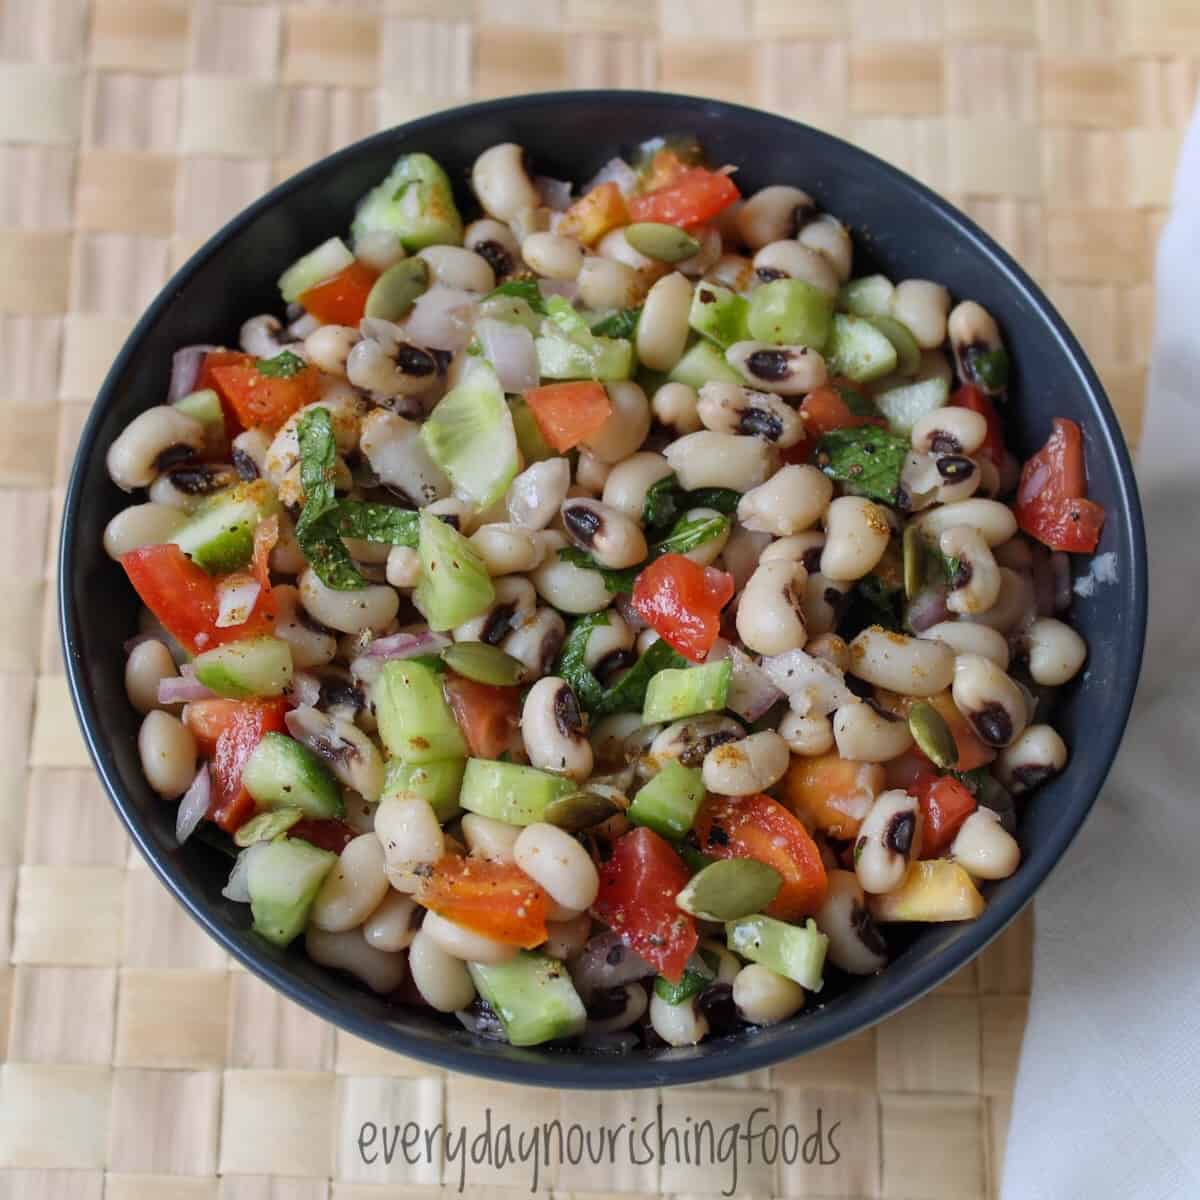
x=595 y=619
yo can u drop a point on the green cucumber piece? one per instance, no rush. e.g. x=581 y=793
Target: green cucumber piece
x=719 y=314
x=870 y=296
x=283 y=879
x=415 y=202
x=790 y=312
x=669 y=802
x=203 y=406
x=533 y=996
x=905 y=405
x=317 y=265
x=438 y=783
x=512 y=310
x=675 y=694
x=794 y=951
x=414 y=720
x=219 y=535
x=282 y=773
x=908 y=353
x=858 y=350
x=259 y=666
x=509 y=792
x=703 y=363
x=454 y=586
x=580 y=357
x=700 y=971
x=567 y=317
x=470 y=436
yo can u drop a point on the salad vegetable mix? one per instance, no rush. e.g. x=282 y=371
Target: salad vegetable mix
x=605 y=617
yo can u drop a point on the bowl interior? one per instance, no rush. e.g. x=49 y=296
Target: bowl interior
x=901 y=229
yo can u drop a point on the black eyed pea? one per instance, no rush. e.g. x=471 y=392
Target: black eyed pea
x=403 y=567
x=530 y=220
x=442 y=979
x=555 y=732
x=949 y=430
x=636 y=1001
x=493 y=241
x=707 y=552
x=620 y=739
x=680 y=1024
x=381 y=971
x=628 y=482
x=973 y=336
x=733 y=271
x=675 y=407
x=350 y=753
x=151 y=442
x=798 y=547
x=823 y=603
x=857 y=533
x=806 y=735
x=727 y=460
x=855 y=943
x=507 y=549
x=751 y=764
x=889 y=838
x=458 y=267
x=371 y=607
x=691 y=740
x=411 y=838
x=391 y=926
x=711 y=245
x=260 y=336
x=784 y=370
x=831 y=649
x=966 y=637
x=535 y=495
x=1056 y=652
x=626 y=426
x=1015 y=603
x=1037 y=755
x=248 y=453
x=141 y=525
x=898 y=663
x=920 y=481
x=662 y=329
x=865 y=733
x=167 y=751
x=990 y=699
x=607 y=283
x=590 y=473
x=830 y=238
x=608 y=535
x=553 y=255
x=311 y=647
x=922 y=306
x=460 y=942
x=378 y=248
x=774 y=213
x=770 y=614
x=731 y=408
x=502 y=183
x=329 y=347
x=463 y=516
x=742 y=553
x=391 y=367
x=788 y=259
x=975 y=586
x=605 y=643
x=959 y=477
x=536 y=644
x=148 y=664
x=763 y=997
x=353 y=889
x=490 y=839
x=566 y=939
x=792 y=500
x=513 y=607
x=558 y=864
x=984 y=848
x=398 y=456
x=995 y=521
x=565 y=586
x=187 y=486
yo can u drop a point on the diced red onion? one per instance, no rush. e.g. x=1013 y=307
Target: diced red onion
x=810 y=684
x=751 y=691
x=304 y=691
x=185 y=370
x=555 y=193
x=927 y=608
x=236 y=889
x=236 y=597
x=510 y=349
x=607 y=961
x=367 y=665
x=442 y=318
x=624 y=605
x=182 y=689
x=1060 y=565
x=617 y=171
x=568 y=289
x=194 y=805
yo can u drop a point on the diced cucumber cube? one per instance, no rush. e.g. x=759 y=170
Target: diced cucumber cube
x=317 y=265
x=415 y=722
x=703 y=363
x=283 y=878
x=870 y=296
x=794 y=951
x=719 y=314
x=415 y=202
x=219 y=535
x=669 y=802
x=283 y=773
x=673 y=694
x=437 y=782
x=858 y=350
x=533 y=996
x=203 y=406
x=454 y=584
x=790 y=312
x=904 y=406
x=509 y=792
x=908 y=353
x=258 y=666
x=599 y=358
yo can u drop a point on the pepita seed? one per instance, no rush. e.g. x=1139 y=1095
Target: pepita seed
x=915 y=553
x=483 y=663
x=666 y=243
x=932 y=735
x=579 y=810
x=266 y=826
x=397 y=289
x=730 y=888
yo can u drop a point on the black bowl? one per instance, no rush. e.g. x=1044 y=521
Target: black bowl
x=901 y=228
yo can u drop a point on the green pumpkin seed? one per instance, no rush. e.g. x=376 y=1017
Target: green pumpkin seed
x=915 y=554
x=666 y=243
x=395 y=291
x=579 y=810
x=483 y=663
x=267 y=826
x=729 y=889
x=932 y=735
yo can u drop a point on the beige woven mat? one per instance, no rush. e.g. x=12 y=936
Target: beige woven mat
x=139 y=1062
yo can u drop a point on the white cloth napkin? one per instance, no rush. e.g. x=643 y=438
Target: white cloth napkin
x=1107 y=1105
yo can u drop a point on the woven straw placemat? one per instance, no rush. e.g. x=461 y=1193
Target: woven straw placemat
x=139 y=1062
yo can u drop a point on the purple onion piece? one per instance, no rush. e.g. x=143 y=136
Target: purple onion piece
x=624 y=605
x=185 y=370
x=407 y=645
x=606 y=962
x=927 y=608
x=305 y=690
x=182 y=689
x=194 y=805
x=617 y=171
x=555 y=193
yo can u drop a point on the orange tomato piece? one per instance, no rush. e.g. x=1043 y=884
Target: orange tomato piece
x=487 y=715
x=263 y=401
x=592 y=216
x=1052 y=503
x=831 y=794
x=569 y=413
x=495 y=900
x=945 y=805
x=341 y=299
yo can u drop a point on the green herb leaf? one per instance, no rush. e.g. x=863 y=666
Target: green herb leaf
x=973 y=780
x=523 y=289
x=950 y=566
x=689 y=985
x=879 y=600
x=317 y=529
x=688 y=534
x=868 y=459
x=566 y=316
x=619 y=324
x=724 y=500
x=572 y=665
x=283 y=366
x=615 y=581
x=378 y=523
x=987 y=368
x=661 y=507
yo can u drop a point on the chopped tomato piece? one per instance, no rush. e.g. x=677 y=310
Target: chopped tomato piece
x=638 y=886
x=663 y=170
x=496 y=900
x=326 y=833
x=831 y=794
x=682 y=602
x=761 y=828
x=694 y=196
x=183 y=597
x=487 y=715
x=969 y=396
x=261 y=400
x=825 y=409
x=341 y=299
x=592 y=216
x=903 y=772
x=945 y=805
x=569 y=413
x=227 y=731
x=1052 y=503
